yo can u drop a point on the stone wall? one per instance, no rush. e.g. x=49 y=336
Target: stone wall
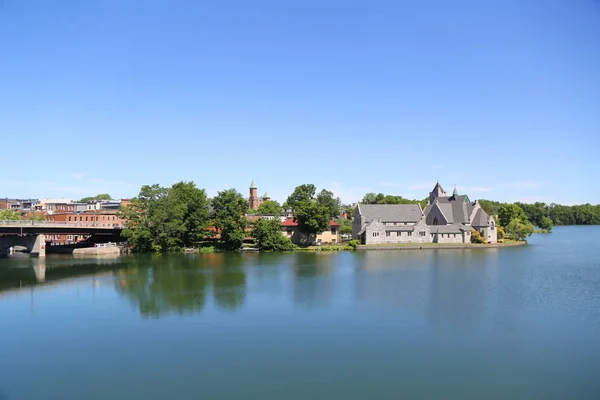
x=376 y=233
x=450 y=238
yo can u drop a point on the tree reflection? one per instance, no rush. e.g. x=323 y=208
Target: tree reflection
x=172 y=284
x=229 y=282
x=313 y=288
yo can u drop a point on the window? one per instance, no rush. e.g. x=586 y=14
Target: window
x=388 y=234
x=289 y=231
x=398 y=233
x=409 y=233
x=86 y=218
x=69 y=218
x=422 y=233
x=333 y=231
x=81 y=218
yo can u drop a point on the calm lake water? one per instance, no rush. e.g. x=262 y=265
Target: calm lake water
x=516 y=323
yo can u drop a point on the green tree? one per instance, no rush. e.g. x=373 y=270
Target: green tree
x=326 y=199
x=10 y=215
x=489 y=206
x=545 y=223
x=101 y=196
x=369 y=198
x=519 y=229
x=229 y=208
x=301 y=193
x=269 y=207
x=509 y=212
x=166 y=219
x=267 y=233
x=312 y=217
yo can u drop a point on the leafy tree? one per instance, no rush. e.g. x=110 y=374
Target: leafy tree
x=10 y=215
x=350 y=211
x=325 y=198
x=519 y=229
x=301 y=193
x=267 y=234
x=345 y=226
x=369 y=198
x=166 y=219
x=354 y=243
x=509 y=212
x=545 y=223
x=269 y=207
x=101 y=196
x=489 y=206
x=229 y=209
x=312 y=217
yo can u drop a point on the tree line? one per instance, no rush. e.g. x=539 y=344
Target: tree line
x=168 y=219
x=585 y=214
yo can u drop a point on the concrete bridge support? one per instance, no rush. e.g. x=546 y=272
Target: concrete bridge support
x=35 y=244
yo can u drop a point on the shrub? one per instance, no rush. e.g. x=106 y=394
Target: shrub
x=476 y=237
x=354 y=243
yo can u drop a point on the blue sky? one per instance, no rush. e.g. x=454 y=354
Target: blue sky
x=500 y=97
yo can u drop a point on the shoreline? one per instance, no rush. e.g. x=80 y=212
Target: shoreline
x=452 y=246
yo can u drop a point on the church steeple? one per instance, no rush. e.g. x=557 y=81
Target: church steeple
x=455 y=193
x=437 y=191
x=252 y=185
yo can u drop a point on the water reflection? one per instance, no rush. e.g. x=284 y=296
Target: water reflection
x=312 y=285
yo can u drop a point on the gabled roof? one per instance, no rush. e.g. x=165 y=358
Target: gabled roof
x=452 y=228
x=481 y=218
x=290 y=222
x=390 y=212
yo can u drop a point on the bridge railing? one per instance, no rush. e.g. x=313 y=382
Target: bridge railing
x=50 y=224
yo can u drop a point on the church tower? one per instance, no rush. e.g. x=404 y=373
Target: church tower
x=437 y=191
x=253 y=198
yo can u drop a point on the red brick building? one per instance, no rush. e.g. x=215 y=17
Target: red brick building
x=103 y=218
x=254 y=201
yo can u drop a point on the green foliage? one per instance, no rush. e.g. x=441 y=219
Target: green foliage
x=354 y=243
x=229 y=209
x=301 y=193
x=476 y=237
x=509 y=212
x=345 y=226
x=545 y=223
x=269 y=207
x=519 y=229
x=350 y=211
x=10 y=215
x=325 y=198
x=312 y=217
x=489 y=206
x=267 y=234
x=166 y=219
x=372 y=198
x=101 y=196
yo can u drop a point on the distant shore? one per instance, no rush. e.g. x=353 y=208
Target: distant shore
x=438 y=246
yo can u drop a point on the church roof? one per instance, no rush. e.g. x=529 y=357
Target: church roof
x=252 y=185
x=481 y=218
x=390 y=212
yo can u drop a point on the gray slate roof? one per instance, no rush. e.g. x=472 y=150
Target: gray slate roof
x=481 y=218
x=390 y=212
x=452 y=228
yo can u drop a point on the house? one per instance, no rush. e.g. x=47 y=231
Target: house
x=290 y=229
x=445 y=219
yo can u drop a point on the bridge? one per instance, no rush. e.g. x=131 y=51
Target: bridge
x=31 y=234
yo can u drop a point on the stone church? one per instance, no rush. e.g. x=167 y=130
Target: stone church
x=445 y=219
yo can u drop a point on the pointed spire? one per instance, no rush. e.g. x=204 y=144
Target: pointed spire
x=455 y=193
x=266 y=195
x=252 y=185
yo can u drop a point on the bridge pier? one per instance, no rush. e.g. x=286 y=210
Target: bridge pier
x=36 y=244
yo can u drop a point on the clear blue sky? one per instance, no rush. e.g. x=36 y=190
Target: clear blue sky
x=500 y=97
